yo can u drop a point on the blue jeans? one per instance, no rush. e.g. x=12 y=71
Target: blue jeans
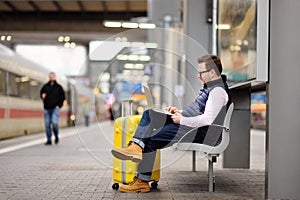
x=51 y=116
x=157 y=131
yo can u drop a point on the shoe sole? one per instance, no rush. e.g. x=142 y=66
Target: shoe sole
x=123 y=156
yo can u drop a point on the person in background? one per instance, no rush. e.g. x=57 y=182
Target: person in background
x=202 y=112
x=86 y=112
x=53 y=97
x=111 y=113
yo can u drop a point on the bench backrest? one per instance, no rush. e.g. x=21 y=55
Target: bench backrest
x=214 y=133
x=222 y=145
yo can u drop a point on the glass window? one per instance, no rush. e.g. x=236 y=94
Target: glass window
x=236 y=31
x=13 y=84
x=2 y=82
x=24 y=87
x=35 y=88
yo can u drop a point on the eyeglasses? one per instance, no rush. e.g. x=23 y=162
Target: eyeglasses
x=200 y=73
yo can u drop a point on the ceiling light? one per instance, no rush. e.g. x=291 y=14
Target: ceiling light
x=73 y=45
x=128 y=66
x=122 y=57
x=133 y=57
x=61 y=38
x=144 y=58
x=112 y=24
x=67 y=39
x=138 y=66
x=8 y=38
x=67 y=44
x=130 y=25
x=223 y=26
x=147 y=26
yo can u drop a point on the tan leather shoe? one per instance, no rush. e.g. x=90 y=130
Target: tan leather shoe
x=132 y=152
x=137 y=185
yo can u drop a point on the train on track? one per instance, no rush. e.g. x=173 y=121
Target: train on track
x=21 y=108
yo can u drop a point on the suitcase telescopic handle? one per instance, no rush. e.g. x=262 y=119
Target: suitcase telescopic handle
x=124 y=101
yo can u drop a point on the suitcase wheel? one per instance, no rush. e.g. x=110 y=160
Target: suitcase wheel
x=154 y=185
x=115 y=186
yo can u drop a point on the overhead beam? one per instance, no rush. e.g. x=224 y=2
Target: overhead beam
x=58 y=6
x=104 y=6
x=9 y=4
x=81 y=6
x=127 y=4
x=71 y=15
x=36 y=7
x=61 y=25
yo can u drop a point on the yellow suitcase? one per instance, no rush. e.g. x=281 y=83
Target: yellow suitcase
x=124 y=171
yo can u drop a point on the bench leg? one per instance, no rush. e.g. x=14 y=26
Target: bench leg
x=210 y=176
x=194 y=161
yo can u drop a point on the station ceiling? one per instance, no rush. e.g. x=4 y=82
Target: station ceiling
x=105 y=8
x=38 y=20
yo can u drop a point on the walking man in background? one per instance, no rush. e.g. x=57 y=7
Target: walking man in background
x=53 y=97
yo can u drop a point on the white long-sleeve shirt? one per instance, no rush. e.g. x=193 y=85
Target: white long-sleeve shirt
x=217 y=98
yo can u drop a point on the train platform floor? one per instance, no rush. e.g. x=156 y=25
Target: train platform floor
x=80 y=167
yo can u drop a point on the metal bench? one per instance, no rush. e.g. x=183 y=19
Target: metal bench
x=211 y=151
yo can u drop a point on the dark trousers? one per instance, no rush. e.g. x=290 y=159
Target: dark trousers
x=157 y=131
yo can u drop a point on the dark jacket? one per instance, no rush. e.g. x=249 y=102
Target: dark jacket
x=55 y=95
x=197 y=107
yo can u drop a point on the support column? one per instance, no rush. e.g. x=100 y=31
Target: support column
x=283 y=127
x=165 y=14
x=198 y=42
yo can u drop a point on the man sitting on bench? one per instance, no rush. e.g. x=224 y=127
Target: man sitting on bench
x=154 y=133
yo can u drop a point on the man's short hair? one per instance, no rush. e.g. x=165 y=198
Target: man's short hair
x=212 y=62
x=52 y=73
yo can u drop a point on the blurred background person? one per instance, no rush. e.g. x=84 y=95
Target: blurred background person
x=53 y=97
x=86 y=112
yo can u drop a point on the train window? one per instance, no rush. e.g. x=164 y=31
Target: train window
x=35 y=88
x=24 y=87
x=3 y=82
x=13 y=84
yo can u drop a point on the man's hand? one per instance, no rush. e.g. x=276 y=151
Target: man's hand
x=172 y=109
x=176 y=118
x=43 y=95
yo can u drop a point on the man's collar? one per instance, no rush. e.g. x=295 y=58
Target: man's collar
x=221 y=80
x=54 y=82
